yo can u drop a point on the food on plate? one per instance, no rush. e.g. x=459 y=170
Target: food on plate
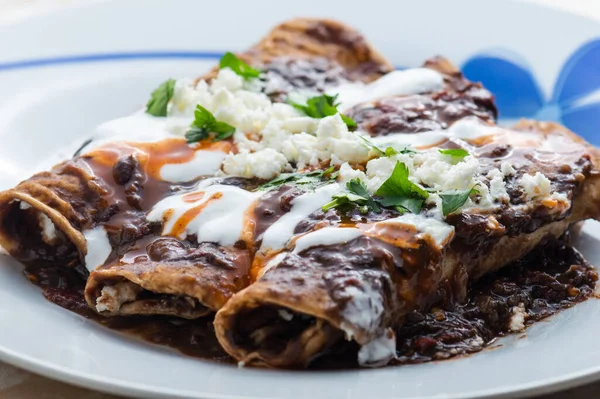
x=317 y=203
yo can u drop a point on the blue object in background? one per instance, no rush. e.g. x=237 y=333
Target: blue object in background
x=575 y=101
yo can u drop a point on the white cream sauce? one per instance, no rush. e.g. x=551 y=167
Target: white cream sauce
x=364 y=309
x=326 y=236
x=204 y=163
x=405 y=82
x=138 y=127
x=220 y=217
x=439 y=231
x=280 y=232
x=379 y=351
x=464 y=129
x=98 y=247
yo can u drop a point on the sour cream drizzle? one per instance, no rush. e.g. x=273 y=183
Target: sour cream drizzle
x=217 y=213
x=326 y=236
x=408 y=81
x=98 y=247
x=280 y=232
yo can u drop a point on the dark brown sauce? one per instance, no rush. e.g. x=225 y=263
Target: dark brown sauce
x=64 y=287
x=419 y=113
x=551 y=278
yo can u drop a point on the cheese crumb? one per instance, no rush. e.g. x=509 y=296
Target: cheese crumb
x=264 y=164
x=517 y=319
x=507 y=169
x=336 y=142
x=535 y=186
x=497 y=186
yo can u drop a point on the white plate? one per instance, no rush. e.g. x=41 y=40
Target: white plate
x=63 y=73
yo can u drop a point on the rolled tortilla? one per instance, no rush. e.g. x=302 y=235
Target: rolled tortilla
x=42 y=219
x=313 y=54
x=169 y=277
x=306 y=302
x=292 y=314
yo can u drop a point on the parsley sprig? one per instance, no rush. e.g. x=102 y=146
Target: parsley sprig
x=397 y=192
x=452 y=200
x=160 y=97
x=313 y=179
x=388 y=152
x=205 y=125
x=457 y=154
x=401 y=193
x=231 y=61
x=357 y=195
x=322 y=106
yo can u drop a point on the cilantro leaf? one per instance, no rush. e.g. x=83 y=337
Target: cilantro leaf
x=403 y=203
x=399 y=191
x=231 y=61
x=357 y=187
x=341 y=199
x=388 y=152
x=205 y=125
x=457 y=154
x=452 y=200
x=160 y=97
x=314 y=178
x=322 y=106
x=357 y=195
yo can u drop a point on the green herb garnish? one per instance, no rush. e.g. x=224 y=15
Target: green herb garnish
x=388 y=152
x=231 y=61
x=357 y=195
x=205 y=125
x=398 y=191
x=322 y=106
x=314 y=178
x=160 y=97
x=452 y=200
x=457 y=154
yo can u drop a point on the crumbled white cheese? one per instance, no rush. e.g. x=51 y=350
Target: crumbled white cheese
x=266 y=126
x=335 y=141
x=535 y=186
x=24 y=205
x=301 y=148
x=432 y=169
x=48 y=229
x=285 y=315
x=560 y=197
x=113 y=296
x=517 y=318
x=497 y=186
x=347 y=173
x=507 y=169
x=264 y=164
